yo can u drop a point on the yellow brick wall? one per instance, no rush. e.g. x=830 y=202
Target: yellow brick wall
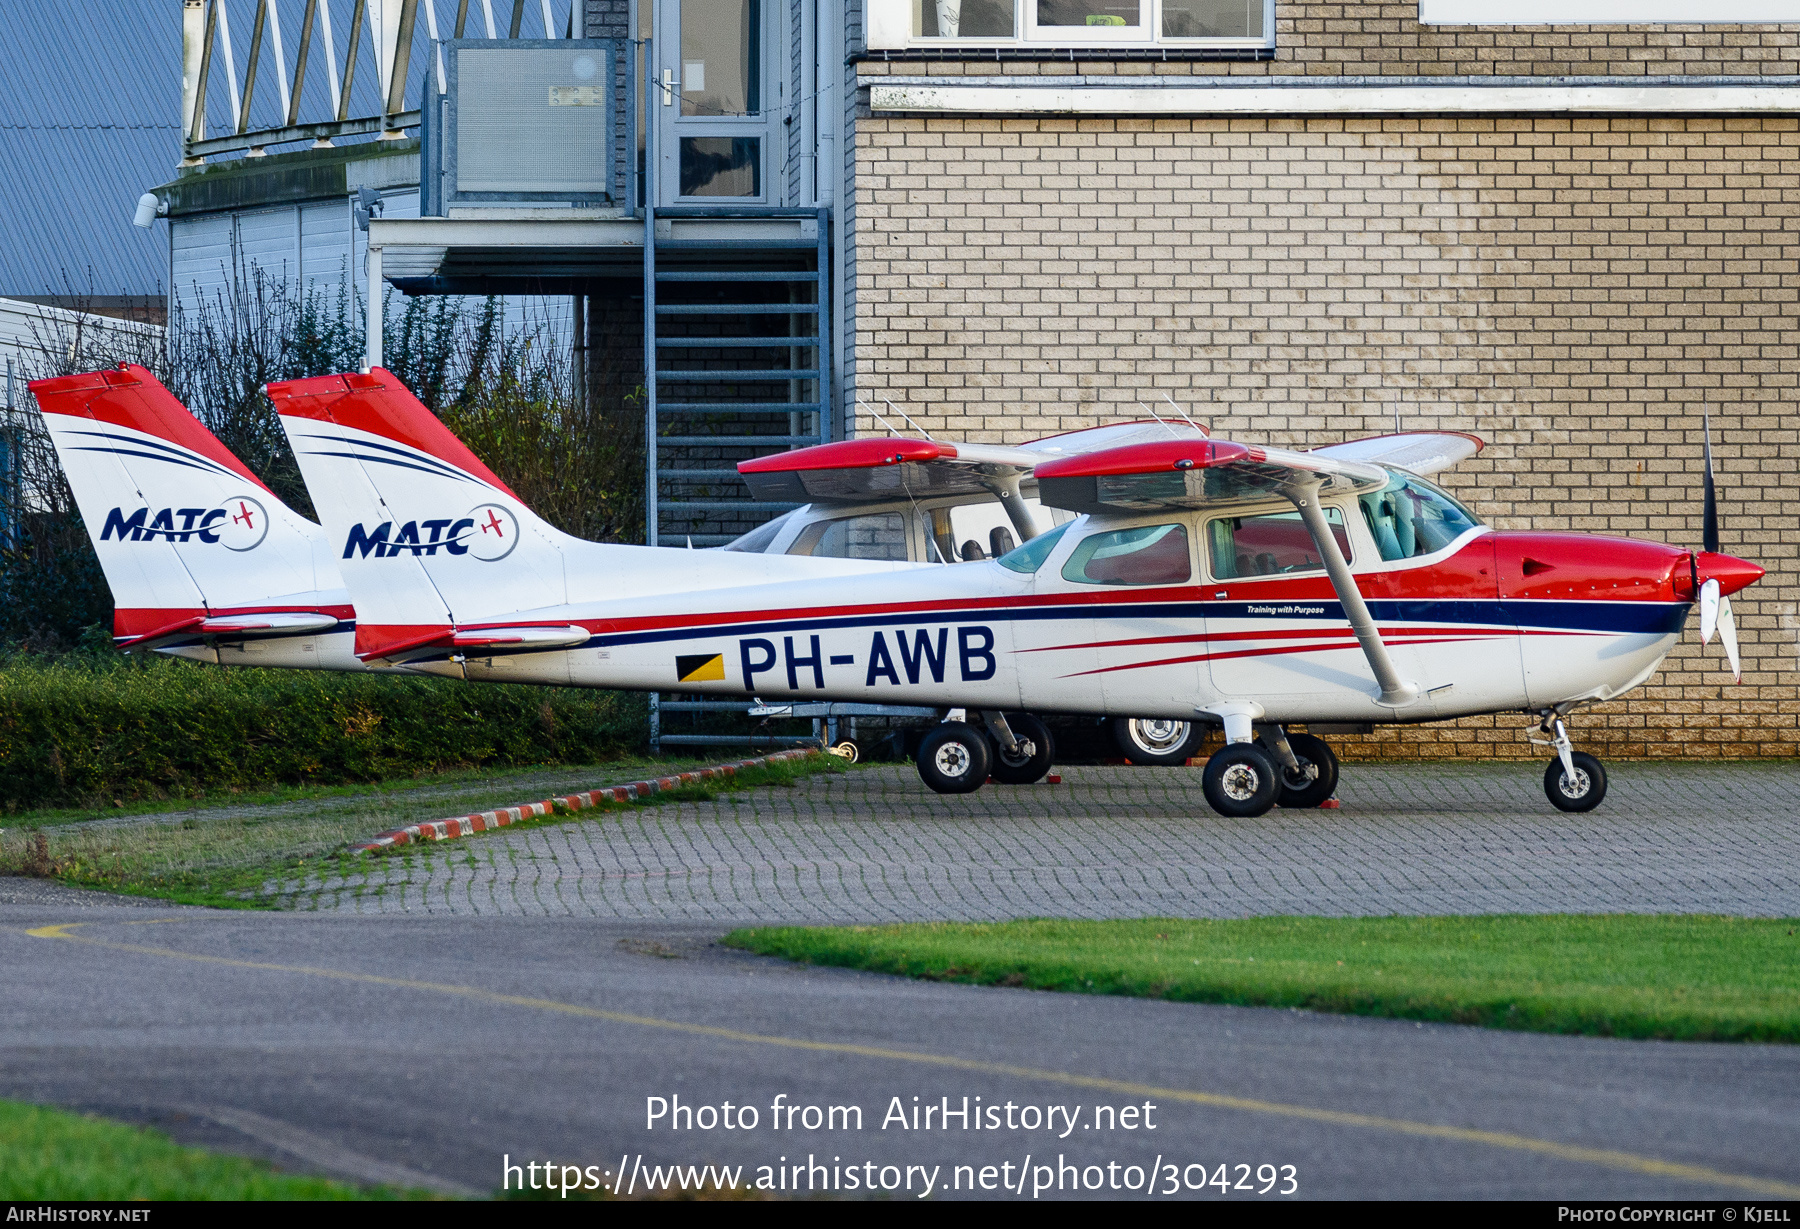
x=1575 y=291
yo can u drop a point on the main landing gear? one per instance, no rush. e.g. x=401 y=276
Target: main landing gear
x=958 y=757
x=1273 y=768
x=1574 y=780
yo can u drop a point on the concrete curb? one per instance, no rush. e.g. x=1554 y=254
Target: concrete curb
x=504 y=817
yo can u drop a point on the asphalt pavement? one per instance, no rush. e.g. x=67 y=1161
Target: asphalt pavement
x=434 y=1050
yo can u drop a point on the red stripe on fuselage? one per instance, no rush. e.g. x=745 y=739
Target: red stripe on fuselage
x=1280 y=650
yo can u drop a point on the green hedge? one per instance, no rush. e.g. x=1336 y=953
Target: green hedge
x=75 y=732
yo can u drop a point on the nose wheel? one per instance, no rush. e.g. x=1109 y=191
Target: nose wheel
x=1581 y=790
x=1574 y=780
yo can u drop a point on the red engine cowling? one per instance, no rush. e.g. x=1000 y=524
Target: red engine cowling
x=1584 y=568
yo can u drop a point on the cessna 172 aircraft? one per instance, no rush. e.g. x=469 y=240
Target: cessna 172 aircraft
x=1201 y=579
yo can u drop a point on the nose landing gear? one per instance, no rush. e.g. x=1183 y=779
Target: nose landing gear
x=1574 y=780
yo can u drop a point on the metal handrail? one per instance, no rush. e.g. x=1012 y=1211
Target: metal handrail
x=206 y=29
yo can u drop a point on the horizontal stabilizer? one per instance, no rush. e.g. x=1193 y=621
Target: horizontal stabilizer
x=1417 y=452
x=260 y=626
x=1189 y=474
x=536 y=639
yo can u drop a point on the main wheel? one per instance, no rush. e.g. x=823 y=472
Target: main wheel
x=1240 y=780
x=1298 y=789
x=1584 y=792
x=1156 y=742
x=1036 y=751
x=955 y=758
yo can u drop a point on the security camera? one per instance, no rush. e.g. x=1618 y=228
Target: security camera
x=368 y=205
x=149 y=208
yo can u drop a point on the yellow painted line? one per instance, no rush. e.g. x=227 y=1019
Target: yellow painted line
x=1606 y=1158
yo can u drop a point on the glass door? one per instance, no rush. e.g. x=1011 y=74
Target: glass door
x=713 y=102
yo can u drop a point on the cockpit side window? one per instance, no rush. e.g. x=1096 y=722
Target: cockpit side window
x=1144 y=555
x=1410 y=517
x=1277 y=544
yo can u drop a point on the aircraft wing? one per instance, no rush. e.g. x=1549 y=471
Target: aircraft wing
x=1417 y=452
x=1193 y=474
x=875 y=469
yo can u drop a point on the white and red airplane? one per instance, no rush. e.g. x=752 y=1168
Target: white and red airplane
x=203 y=560
x=277 y=600
x=1201 y=579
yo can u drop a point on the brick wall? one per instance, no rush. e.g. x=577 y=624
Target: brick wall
x=1384 y=38
x=1575 y=291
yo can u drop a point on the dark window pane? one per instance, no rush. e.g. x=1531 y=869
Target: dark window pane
x=1090 y=13
x=721 y=166
x=963 y=18
x=1212 y=18
x=721 y=57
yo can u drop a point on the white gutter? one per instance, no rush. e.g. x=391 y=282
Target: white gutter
x=1338 y=100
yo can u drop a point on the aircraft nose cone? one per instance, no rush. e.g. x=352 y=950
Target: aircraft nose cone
x=1731 y=572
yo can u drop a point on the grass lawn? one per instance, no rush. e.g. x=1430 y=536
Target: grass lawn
x=257 y=850
x=1682 y=977
x=49 y=1154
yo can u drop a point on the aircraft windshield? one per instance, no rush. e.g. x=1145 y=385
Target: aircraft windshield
x=1410 y=517
x=762 y=537
x=1030 y=557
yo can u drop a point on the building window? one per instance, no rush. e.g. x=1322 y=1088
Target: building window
x=1093 y=23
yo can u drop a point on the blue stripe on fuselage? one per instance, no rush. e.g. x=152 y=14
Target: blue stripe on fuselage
x=1615 y=617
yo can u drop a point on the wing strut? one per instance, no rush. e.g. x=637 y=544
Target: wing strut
x=1005 y=486
x=1394 y=692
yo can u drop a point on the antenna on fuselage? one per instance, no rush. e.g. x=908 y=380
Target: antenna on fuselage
x=1167 y=425
x=876 y=415
x=1184 y=416
x=903 y=414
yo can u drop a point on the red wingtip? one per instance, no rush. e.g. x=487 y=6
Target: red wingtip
x=129 y=396
x=377 y=402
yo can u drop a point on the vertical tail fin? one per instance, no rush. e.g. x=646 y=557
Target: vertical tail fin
x=184 y=531
x=427 y=536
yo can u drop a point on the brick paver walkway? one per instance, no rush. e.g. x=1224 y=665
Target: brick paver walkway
x=876 y=845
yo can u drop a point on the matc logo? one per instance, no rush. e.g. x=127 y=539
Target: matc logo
x=488 y=532
x=240 y=524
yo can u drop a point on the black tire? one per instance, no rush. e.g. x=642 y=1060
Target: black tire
x=955 y=758
x=1240 y=781
x=1039 y=747
x=1155 y=742
x=1301 y=790
x=1586 y=791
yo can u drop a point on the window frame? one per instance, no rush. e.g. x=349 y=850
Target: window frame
x=1028 y=35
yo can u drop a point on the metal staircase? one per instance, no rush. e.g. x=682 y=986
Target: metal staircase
x=737 y=364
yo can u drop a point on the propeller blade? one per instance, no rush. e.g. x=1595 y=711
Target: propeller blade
x=1728 y=638
x=1709 y=610
x=1709 y=515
